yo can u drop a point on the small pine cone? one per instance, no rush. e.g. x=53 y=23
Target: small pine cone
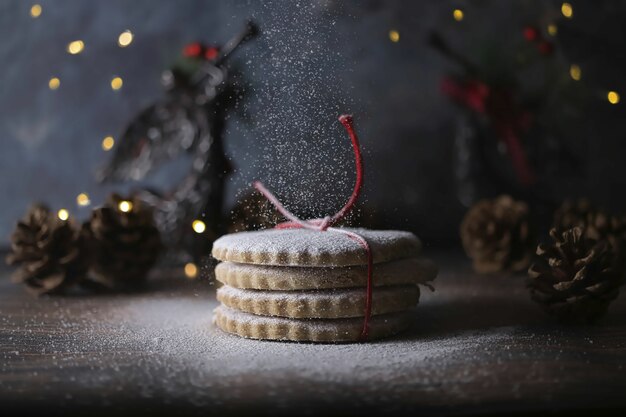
x=495 y=235
x=575 y=277
x=253 y=212
x=124 y=242
x=49 y=251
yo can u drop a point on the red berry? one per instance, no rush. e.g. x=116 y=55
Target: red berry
x=531 y=33
x=192 y=50
x=545 y=47
x=211 y=53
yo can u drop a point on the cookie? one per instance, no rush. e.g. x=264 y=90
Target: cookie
x=323 y=304
x=262 y=277
x=302 y=247
x=308 y=330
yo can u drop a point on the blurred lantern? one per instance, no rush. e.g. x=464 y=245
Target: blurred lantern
x=501 y=146
x=189 y=119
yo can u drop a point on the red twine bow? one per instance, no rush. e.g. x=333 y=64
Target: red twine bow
x=325 y=224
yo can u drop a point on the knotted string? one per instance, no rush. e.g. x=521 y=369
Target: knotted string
x=325 y=224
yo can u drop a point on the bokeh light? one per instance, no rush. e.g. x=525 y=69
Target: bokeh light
x=35 y=11
x=125 y=206
x=198 y=226
x=458 y=15
x=575 y=72
x=125 y=38
x=567 y=10
x=116 y=83
x=191 y=270
x=82 y=199
x=63 y=214
x=394 y=35
x=75 y=47
x=108 y=143
x=613 y=97
x=552 y=29
x=54 y=83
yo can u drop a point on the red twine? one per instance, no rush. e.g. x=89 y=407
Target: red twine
x=325 y=224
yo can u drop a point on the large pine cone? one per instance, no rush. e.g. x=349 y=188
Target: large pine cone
x=575 y=278
x=49 y=251
x=495 y=235
x=124 y=243
x=595 y=223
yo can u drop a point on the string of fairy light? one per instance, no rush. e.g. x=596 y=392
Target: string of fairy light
x=567 y=11
x=125 y=39
x=76 y=47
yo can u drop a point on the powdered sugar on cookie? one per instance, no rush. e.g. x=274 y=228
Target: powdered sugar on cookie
x=301 y=247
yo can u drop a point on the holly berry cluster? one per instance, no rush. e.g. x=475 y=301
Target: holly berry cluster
x=533 y=34
x=200 y=50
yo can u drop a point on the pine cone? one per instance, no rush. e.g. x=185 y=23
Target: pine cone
x=123 y=240
x=253 y=212
x=49 y=251
x=495 y=235
x=594 y=223
x=575 y=278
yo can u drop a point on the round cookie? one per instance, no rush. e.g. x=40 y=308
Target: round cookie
x=324 y=304
x=263 y=277
x=302 y=247
x=309 y=330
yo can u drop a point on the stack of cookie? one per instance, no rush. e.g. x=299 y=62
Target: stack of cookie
x=304 y=285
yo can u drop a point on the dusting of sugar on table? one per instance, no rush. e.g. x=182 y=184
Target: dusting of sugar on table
x=473 y=343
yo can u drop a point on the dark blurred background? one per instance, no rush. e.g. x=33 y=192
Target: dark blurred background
x=447 y=96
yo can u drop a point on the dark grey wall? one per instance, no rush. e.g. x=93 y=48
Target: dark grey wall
x=314 y=60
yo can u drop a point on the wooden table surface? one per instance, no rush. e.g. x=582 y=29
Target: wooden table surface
x=478 y=346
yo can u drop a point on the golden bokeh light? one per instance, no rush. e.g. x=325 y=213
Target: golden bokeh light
x=125 y=38
x=82 y=199
x=35 y=11
x=75 y=47
x=552 y=29
x=613 y=97
x=458 y=15
x=108 y=143
x=575 y=72
x=125 y=206
x=116 y=83
x=394 y=35
x=191 y=270
x=54 y=83
x=63 y=214
x=198 y=226
x=567 y=10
